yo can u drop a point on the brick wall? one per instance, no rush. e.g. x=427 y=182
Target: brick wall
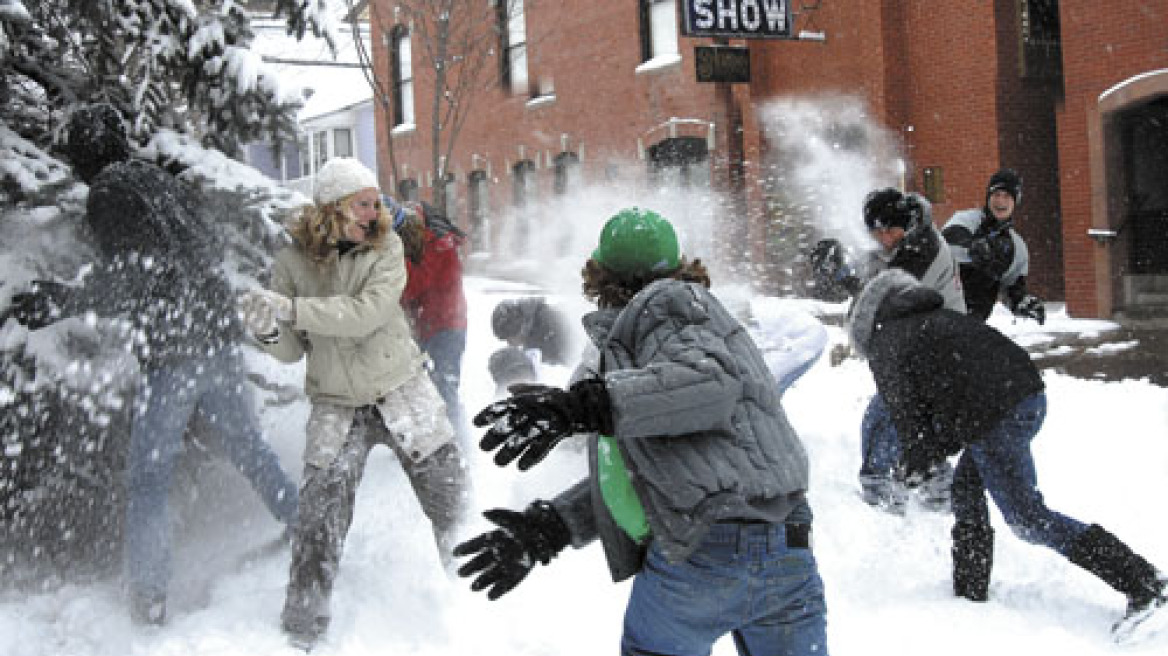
x=942 y=76
x=1103 y=45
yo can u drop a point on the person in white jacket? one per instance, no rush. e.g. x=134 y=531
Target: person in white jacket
x=334 y=298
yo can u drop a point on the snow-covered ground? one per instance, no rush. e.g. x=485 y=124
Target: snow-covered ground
x=1102 y=457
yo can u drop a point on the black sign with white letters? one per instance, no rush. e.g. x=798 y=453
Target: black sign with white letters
x=737 y=19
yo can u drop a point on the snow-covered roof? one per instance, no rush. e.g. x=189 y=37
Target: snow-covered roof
x=336 y=83
x=14 y=11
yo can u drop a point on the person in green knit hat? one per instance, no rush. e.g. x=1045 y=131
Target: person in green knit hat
x=697 y=483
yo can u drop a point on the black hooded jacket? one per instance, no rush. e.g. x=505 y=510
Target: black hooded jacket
x=947 y=377
x=160 y=272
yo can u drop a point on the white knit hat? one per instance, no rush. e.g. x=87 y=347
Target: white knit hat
x=341 y=176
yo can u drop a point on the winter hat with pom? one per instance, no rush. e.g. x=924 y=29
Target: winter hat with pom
x=340 y=177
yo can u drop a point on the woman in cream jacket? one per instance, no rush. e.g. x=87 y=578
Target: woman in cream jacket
x=334 y=299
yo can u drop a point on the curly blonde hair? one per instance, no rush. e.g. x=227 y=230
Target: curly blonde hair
x=611 y=290
x=319 y=228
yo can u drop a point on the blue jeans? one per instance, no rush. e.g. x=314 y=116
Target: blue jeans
x=215 y=391
x=742 y=580
x=880 y=447
x=1002 y=464
x=445 y=349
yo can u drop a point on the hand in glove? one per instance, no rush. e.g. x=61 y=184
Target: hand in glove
x=535 y=418
x=40 y=306
x=827 y=258
x=992 y=254
x=258 y=315
x=1030 y=307
x=830 y=267
x=504 y=556
x=282 y=306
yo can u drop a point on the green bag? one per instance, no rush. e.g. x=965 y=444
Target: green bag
x=617 y=490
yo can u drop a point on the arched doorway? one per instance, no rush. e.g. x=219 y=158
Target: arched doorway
x=1131 y=194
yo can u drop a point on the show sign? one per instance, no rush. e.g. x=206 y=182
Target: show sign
x=737 y=19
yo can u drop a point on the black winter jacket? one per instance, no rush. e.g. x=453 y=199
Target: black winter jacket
x=947 y=377
x=160 y=272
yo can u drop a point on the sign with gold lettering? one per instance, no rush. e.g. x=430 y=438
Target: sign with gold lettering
x=722 y=64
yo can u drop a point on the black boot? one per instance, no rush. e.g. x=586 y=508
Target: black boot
x=1105 y=556
x=973 y=560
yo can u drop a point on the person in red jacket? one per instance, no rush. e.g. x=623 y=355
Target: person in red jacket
x=433 y=298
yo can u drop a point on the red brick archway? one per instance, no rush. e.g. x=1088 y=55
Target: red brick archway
x=1106 y=166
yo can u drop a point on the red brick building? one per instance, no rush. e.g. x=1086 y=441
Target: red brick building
x=932 y=96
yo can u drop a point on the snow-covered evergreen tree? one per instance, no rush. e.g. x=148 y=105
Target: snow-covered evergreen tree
x=184 y=65
x=183 y=74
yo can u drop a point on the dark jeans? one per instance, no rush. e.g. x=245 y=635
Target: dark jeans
x=445 y=349
x=214 y=391
x=744 y=579
x=1002 y=464
x=880 y=451
x=880 y=446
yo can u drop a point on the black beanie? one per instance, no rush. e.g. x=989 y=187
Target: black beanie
x=507 y=319
x=889 y=208
x=1006 y=180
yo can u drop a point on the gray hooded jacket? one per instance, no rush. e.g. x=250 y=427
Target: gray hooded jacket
x=697 y=416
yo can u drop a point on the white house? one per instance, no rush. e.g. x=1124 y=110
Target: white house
x=337 y=119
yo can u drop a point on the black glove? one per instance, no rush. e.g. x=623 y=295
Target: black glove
x=981 y=253
x=830 y=268
x=535 y=418
x=40 y=306
x=1030 y=307
x=504 y=556
x=827 y=259
x=992 y=254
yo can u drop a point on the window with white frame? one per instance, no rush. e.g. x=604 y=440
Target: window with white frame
x=477 y=201
x=513 y=45
x=658 y=28
x=680 y=163
x=522 y=197
x=319 y=148
x=402 y=71
x=450 y=195
x=567 y=173
x=407 y=190
x=342 y=142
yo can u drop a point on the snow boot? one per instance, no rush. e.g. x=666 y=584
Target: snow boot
x=935 y=493
x=973 y=560
x=883 y=492
x=1105 y=556
x=147 y=608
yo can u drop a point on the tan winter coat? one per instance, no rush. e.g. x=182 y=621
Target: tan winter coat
x=349 y=322
x=351 y=326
